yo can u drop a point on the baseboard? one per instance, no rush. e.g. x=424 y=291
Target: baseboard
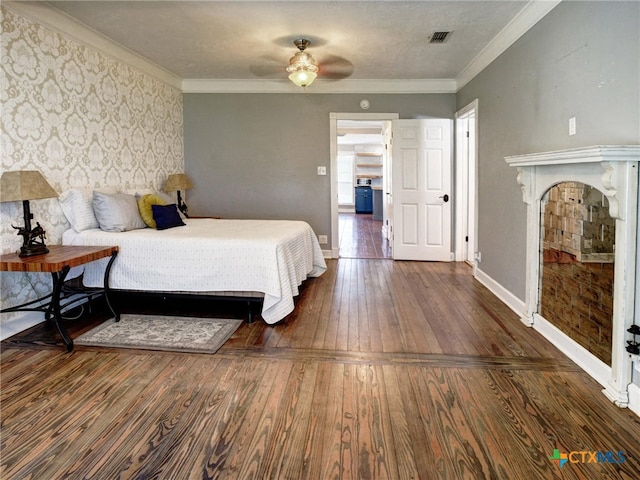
x=634 y=398
x=508 y=298
x=598 y=370
x=595 y=368
x=14 y=323
x=327 y=253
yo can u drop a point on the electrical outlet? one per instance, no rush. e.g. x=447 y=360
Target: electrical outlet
x=322 y=239
x=322 y=170
x=478 y=257
x=572 y=126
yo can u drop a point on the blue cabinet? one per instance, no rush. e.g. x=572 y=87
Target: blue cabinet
x=364 y=200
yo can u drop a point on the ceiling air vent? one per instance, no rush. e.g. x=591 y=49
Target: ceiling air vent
x=439 y=37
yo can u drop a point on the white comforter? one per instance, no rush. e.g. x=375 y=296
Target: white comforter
x=207 y=255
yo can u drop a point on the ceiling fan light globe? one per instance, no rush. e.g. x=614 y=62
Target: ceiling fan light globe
x=302 y=60
x=303 y=77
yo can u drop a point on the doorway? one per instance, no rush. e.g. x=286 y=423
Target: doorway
x=466 y=125
x=361 y=155
x=358 y=155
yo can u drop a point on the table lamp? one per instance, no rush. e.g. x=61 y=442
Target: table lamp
x=27 y=185
x=175 y=183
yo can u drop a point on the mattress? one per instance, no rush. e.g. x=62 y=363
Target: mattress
x=272 y=257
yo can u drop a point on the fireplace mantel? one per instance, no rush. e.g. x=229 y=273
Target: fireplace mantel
x=612 y=169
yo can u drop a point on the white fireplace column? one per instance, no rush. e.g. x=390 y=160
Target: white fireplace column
x=614 y=171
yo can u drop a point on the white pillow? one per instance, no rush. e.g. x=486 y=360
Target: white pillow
x=77 y=207
x=117 y=212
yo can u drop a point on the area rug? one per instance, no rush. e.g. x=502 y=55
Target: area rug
x=156 y=332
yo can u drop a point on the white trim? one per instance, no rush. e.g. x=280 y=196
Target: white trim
x=17 y=322
x=12 y=323
x=333 y=162
x=531 y=14
x=473 y=105
x=203 y=85
x=53 y=19
x=466 y=189
x=593 y=154
x=634 y=398
x=600 y=371
x=508 y=298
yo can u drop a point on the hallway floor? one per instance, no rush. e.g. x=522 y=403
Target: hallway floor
x=361 y=237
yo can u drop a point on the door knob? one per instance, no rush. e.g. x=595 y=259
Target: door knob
x=445 y=197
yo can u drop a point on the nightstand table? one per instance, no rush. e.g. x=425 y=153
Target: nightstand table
x=58 y=262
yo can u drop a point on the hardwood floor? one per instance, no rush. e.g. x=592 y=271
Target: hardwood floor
x=361 y=237
x=385 y=370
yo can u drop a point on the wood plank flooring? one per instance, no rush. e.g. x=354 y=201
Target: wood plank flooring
x=396 y=370
x=361 y=237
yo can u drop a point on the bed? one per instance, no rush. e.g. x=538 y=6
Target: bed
x=208 y=256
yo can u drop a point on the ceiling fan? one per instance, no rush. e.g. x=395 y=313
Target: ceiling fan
x=303 y=67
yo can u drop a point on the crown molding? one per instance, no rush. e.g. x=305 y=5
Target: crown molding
x=531 y=14
x=60 y=22
x=319 y=86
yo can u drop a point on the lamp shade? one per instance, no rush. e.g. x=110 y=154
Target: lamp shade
x=24 y=185
x=176 y=182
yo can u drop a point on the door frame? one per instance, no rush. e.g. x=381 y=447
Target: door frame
x=466 y=184
x=333 y=162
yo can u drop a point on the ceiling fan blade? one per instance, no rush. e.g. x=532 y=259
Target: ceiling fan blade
x=333 y=67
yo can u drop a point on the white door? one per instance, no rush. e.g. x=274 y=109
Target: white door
x=421 y=186
x=345 y=181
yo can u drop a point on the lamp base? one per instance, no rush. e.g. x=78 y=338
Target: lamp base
x=31 y=250
x=32 y=240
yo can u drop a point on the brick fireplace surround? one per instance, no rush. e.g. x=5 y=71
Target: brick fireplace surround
x=576 y=283
x=613 y=170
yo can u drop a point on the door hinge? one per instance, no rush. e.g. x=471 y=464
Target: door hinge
x=467 y=133
x=466 y=239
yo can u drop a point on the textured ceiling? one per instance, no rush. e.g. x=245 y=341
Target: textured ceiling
x=252 y=40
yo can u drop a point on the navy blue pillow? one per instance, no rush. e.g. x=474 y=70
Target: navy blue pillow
x=166 y=216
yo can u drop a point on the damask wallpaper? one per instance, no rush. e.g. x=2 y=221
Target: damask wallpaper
x=83 y=119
